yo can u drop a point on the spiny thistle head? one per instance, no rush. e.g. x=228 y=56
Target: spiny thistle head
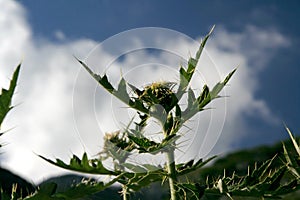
x=159 y=93
x=116 y=146
x=118 y=140
x=111 y=136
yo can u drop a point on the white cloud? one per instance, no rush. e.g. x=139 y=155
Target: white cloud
x=59 y=35
x=63 y=111
x=14 y=36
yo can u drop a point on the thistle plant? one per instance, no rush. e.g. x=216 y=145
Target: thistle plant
x=161 y=101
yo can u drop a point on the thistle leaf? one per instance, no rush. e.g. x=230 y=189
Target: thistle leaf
x=296 y=146
x=121 y=93
x=150 y=167
x=185 y=168
x=84 y=165
x=204 y=98
x=134 y=168
x=222 y=186
x=102 y=80
x=285 y=189
x=105 y=83
x=143 y=143
x=219 y=86
x=6 y=95
x=191 y=98
x=46 y=192
x=186 y=74
x=292 y=163
x=192 y=190
x=81 y=190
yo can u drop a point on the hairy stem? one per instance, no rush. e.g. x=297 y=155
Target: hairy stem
x=172 y=173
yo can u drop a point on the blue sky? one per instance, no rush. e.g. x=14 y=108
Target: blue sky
x=261 y=37
x=101 y=19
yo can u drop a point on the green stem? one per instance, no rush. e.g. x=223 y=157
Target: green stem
x=124 y=192
x=124 y=187
x=172 y=173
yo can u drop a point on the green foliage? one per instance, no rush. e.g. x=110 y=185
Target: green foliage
x=187 y=74
x=185 y=168
x=292 y=160
x=261 y=182
x=197 y=104
x=6 y=95
x=85 y=165
x=160 y=101
x=46 y=192
x=11 y=185
x=157 y=100
x=78 y=191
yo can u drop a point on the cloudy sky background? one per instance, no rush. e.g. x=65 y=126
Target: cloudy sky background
x=61 y=110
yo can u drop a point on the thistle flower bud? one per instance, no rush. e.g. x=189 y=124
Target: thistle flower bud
x=159 y=93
